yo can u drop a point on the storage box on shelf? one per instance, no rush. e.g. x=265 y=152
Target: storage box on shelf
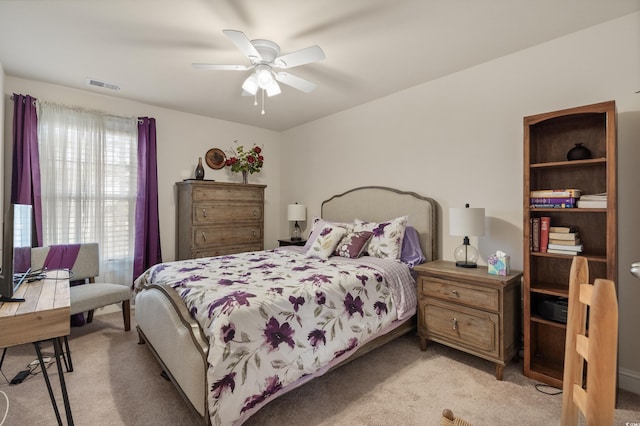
x=547 y=139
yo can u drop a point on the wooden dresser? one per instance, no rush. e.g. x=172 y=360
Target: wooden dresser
x=470 y=310
x=217 y=218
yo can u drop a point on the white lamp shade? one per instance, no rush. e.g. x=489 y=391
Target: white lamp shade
x=250 y=85
x=296 y=212
x=466 y=221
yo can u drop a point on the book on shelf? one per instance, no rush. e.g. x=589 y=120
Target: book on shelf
x=572 y=192
x=545 y=223
x=594 y=197
x=553 y=200
x=552 y=206
x=574 y=247
x=563 y=229
x=565 y=242
x=535 y=233
x=592 y=204
x=567 y=252
x=570 y=236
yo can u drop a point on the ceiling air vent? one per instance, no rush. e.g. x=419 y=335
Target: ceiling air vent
x=104 y=85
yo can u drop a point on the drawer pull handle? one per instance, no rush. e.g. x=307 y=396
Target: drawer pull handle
x=255 y=212
x=254 y=234
x=204 y=236
x=455 y=323
x=455 y=292
x=204 y=212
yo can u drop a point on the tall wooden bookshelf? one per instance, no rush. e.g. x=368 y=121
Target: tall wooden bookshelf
x=547 y=139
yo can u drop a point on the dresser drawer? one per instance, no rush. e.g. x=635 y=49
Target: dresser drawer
x=469 y=294
x=226 y=212
x=207 y=236
x=224 y=250
x=460 y=326
x=227 y=193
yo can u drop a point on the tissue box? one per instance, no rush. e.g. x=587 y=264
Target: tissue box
x=499 y=265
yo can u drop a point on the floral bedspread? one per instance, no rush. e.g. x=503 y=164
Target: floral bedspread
x=274 y=316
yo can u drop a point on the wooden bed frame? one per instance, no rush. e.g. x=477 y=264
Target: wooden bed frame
x=176 y=339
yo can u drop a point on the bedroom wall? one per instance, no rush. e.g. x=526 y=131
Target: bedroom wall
x=181 y=138
x=459 y=139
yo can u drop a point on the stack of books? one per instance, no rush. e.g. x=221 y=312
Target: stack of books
x=593 y=201
x=564 y=240
x=554 y=198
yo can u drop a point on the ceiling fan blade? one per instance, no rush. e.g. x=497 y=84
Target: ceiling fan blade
x=217 y=67
x=300 y=57
x=243 y=43
x=295 y=82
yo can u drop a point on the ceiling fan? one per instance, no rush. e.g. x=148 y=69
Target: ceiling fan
x=264 y=56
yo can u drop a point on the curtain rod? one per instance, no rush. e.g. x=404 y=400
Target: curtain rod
x=140 y=120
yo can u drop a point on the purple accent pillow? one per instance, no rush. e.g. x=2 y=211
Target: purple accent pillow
x=353 y=244
x=411 y=253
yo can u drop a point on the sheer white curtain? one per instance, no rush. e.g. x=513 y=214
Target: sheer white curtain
x=88 y=167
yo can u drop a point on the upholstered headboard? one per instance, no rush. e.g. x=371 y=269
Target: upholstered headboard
x=378 y=203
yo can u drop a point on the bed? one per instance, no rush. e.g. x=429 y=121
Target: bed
x=271 y=321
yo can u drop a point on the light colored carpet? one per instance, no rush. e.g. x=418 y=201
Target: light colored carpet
x=117 y=382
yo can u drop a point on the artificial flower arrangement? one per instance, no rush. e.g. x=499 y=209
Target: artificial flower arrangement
x=246 y=161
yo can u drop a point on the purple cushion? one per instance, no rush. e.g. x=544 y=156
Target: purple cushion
x=353 y=244
x=411 y=253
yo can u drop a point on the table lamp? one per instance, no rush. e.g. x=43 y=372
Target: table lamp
x=296 y=212
x=466 y=222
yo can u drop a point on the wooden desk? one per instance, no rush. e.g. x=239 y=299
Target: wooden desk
x=44 y=315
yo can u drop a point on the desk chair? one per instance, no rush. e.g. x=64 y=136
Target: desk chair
x=599 y=349
x=90 y=296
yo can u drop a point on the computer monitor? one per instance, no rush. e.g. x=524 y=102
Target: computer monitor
x=16 y=250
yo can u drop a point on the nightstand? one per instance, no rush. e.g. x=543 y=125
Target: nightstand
x=470 y=310
x=289 y=242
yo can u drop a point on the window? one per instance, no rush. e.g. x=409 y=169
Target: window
x=88 y=166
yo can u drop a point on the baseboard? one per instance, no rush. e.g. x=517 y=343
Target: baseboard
x=629 y=380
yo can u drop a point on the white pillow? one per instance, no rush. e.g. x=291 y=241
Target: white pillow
x=386 y=242
x=326 y=242
x=317 y=226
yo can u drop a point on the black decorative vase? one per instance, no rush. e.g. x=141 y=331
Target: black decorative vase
x=578 y=152
x=199 y=170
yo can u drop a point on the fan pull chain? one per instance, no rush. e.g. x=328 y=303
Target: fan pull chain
x=262 y=101
x=255 y=99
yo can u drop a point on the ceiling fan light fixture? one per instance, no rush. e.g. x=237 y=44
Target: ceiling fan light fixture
x=273 y=89
x=265 y=77
x=250 y=85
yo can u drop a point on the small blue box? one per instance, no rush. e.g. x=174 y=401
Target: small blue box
x=499 y=265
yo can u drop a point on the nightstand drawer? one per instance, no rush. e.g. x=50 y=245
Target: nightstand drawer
x=471 y=295
x=459 y=326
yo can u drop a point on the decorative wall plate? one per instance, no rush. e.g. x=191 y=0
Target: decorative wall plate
x=215 y=158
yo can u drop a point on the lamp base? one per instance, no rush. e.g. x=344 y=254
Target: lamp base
x=296 y=235
x=464 y=264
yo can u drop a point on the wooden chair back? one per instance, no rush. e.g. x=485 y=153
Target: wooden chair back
x=599 y=349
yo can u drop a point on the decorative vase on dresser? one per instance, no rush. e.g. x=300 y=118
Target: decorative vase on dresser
x=218 y=218
x=199 y=172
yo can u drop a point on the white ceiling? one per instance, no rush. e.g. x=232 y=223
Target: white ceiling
x=373 y=47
